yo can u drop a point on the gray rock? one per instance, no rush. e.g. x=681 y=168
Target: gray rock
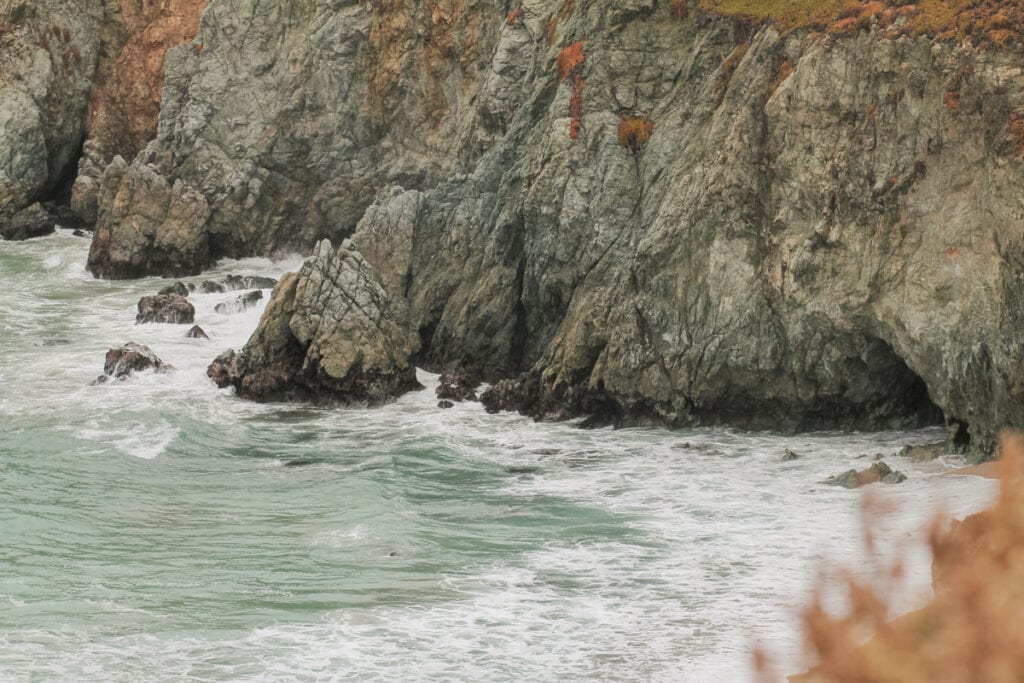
x=179 y=288
x=788 y=456
x=457 y=383
x=248 y=282
x=165 y=308
x=923 y=453
x=127 y=360
x=239 y=304
x=445 y=405
x=196 y=333
x=330 y=334
x=35 y=221
x=211 y=287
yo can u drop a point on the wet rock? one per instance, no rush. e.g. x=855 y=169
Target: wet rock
x=249 y=282
x=131 y=358
x=165 y=308
x=196 y=333
x=299 y=463
x=330 y=334
x=789 y=456
x=445 y=404
x=179 y=288
x=522 y=469
x=239 y=304
x=56 y=341
x=35 y=221
x=923 y=453
x=458 y=384
x=211 y=287
x=80 y=233
x=878 y=472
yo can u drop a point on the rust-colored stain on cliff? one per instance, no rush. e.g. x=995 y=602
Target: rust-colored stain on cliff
x=125 y=103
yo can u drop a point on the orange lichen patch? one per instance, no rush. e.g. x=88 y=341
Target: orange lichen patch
x=634 y=132
x=570 y=61
x=1017 y=131
x=953 y=252
x=125 y=104
x=784 y=71
x=514 y=16
x=680 y=8
x=972 y=630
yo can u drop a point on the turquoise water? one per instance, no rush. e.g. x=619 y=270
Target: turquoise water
x=150 y=530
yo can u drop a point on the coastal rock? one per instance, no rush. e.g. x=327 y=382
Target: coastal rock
x=923 y=453
x=444 y=405
x=34 y=221
x=211 y=287
x=789 y=456
x=165 y=308
x=457 y=383
x=127 y=360
x=239 y=304
x=178 y=288
x=248 y=282
x=878 y=472
x=330 y=334
x=196 y=333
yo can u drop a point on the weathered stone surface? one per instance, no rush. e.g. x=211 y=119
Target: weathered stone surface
x=239 y=303
x=126 y=360
x=165 y=308
x=330 y=334
x=835 y=248
x=249 y=282
x=34 y=221
x=789 y=456
x=458 y=383
x=179 y=288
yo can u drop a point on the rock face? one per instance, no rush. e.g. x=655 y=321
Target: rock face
x=34 y=221
x=239 y=303
x=330 y=334
x=127 y=360
x=457 y=383
x=165 y=308
x=623 y=212
x=77 y=68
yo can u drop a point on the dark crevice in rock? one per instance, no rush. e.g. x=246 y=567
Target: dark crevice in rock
x=58 y=191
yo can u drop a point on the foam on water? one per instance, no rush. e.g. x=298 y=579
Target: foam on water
x=150 y=530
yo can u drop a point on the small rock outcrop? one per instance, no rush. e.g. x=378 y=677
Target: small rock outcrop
x=234 y=282
x=878 y=472
x=458 y=383
x=923 y=453
x=196 y=333
x=239 y=304
x=330 y=334
x=165 y=308
x=445 y=405
x=179 y=288
x=789 y=456
x=127 y=360
x=34 y=221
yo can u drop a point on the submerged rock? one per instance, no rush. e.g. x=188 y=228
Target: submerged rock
x=788 y=456
x=34 y=221
x=211 y=287
x=444 y=405
x=330 y=334
x=239 y=304
x=124 y=361
x=196 y=333
x=923 y=453
x=165 y=308
x=878 y=472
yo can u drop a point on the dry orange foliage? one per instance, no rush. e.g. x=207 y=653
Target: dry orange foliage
x=570 y=61
x=634 y=132
x=973 y=629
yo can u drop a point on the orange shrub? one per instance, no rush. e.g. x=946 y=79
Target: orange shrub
x=634 y=132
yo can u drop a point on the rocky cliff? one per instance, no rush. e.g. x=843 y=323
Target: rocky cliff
x=80 y=74
x=636 y=210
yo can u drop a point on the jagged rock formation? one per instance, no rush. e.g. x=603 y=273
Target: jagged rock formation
x=127 y=360
x=650 y=217
x=330 y=334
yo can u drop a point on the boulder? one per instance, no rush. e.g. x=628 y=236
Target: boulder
x=127 y=360
x=196 y=333
x=165 y=308
x=330 y=334
x=444 y=405
x=239 y=304
x=457 y=383
x=249 y=282
x=179 y=288
x=211 y=287
x=34 y=221
x=789 y=456
x=924 y=452
x=878 y=472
